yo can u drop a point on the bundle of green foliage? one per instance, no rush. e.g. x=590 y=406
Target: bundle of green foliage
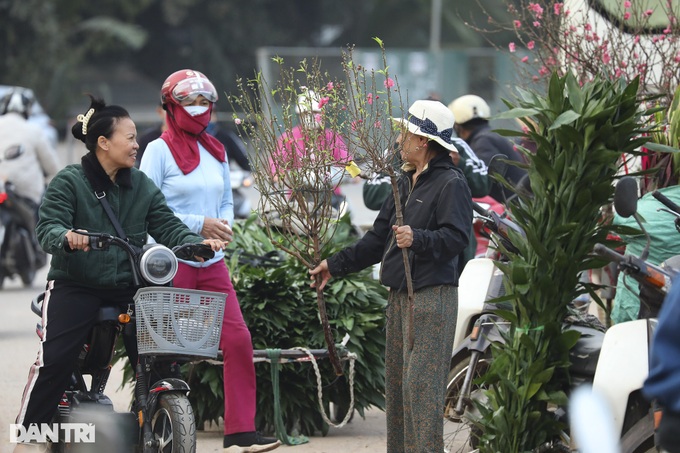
x=580 y=132
x=279 y=308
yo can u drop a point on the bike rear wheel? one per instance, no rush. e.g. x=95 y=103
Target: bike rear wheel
x=173 y=424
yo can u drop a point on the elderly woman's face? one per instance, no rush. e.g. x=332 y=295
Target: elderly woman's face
x=411 y=144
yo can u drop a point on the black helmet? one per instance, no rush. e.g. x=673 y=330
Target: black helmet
x=19 y=100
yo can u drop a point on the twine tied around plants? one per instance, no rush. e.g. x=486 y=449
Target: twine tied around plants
x=273 y=355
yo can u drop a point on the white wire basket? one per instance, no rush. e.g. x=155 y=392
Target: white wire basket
x=175 y=321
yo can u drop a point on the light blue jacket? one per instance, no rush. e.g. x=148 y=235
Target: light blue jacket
x=205 y=192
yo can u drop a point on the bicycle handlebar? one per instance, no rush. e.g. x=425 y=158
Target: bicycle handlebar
x=608 y=253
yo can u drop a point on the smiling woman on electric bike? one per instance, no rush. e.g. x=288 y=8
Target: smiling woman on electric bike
x=103 y=194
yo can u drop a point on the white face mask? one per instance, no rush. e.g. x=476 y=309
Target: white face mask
x=195 y=110
x=310 y=121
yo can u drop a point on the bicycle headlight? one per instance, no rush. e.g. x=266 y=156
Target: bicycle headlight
x=158 y=265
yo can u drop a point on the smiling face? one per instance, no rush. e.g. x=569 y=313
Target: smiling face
x=120 y=150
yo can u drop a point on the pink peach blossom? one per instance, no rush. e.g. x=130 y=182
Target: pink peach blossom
x=525 y=59
x=649 y=12
x=530 y=45
x=626 y=15
x=389 y=83
x=369 y=98
x=517 y=24
x=330 y=86
x=626 y=4
x=536 y=9
x=511 y=47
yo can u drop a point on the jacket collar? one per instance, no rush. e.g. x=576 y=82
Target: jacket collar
x=98 y=178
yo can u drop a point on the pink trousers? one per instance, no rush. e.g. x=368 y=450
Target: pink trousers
x=235 y=343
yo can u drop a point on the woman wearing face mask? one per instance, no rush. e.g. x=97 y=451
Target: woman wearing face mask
x=191 y=169
x=308 y=135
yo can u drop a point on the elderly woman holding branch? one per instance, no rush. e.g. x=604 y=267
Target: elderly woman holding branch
x=437 y=212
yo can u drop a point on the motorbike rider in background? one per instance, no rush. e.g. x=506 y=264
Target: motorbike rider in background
x=292 y=143
x=472 y=115
x=27 y=159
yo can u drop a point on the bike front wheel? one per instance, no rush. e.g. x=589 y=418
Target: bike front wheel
x=173 y=424
x=461 y=435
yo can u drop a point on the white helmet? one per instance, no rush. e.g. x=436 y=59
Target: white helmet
x=469 y=107
x=308 y=101
x=18 y=100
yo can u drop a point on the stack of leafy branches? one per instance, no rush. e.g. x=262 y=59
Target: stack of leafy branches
x=275 y=301
x=580 y=133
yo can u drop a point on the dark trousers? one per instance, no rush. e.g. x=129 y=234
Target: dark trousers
x=68 y=313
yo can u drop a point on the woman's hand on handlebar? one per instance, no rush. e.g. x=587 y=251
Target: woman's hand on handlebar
x=77 y=241
x=215 y=244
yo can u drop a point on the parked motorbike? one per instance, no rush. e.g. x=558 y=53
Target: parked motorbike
x=625 y=351
x=20 y=253
x=615 y=362
x=172 y=326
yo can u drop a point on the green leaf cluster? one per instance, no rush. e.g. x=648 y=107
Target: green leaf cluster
x=580 y=132
x=280 y=310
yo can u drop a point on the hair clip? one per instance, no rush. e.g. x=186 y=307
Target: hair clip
x=85 y=119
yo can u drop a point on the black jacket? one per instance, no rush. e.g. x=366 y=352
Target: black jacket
x=488 y=144
x=438 y=210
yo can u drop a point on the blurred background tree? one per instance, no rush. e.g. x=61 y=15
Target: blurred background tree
x=123 y=49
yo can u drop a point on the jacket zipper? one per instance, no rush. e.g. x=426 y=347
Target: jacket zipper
x=392 y=241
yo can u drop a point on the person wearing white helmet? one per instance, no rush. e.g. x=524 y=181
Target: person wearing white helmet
x=309 y=134
x=27 y=159
x=472 y=115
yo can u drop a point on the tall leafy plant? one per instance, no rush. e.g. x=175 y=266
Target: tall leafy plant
x=580 y=132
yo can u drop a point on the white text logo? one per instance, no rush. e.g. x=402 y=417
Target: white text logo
x=45 y=432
